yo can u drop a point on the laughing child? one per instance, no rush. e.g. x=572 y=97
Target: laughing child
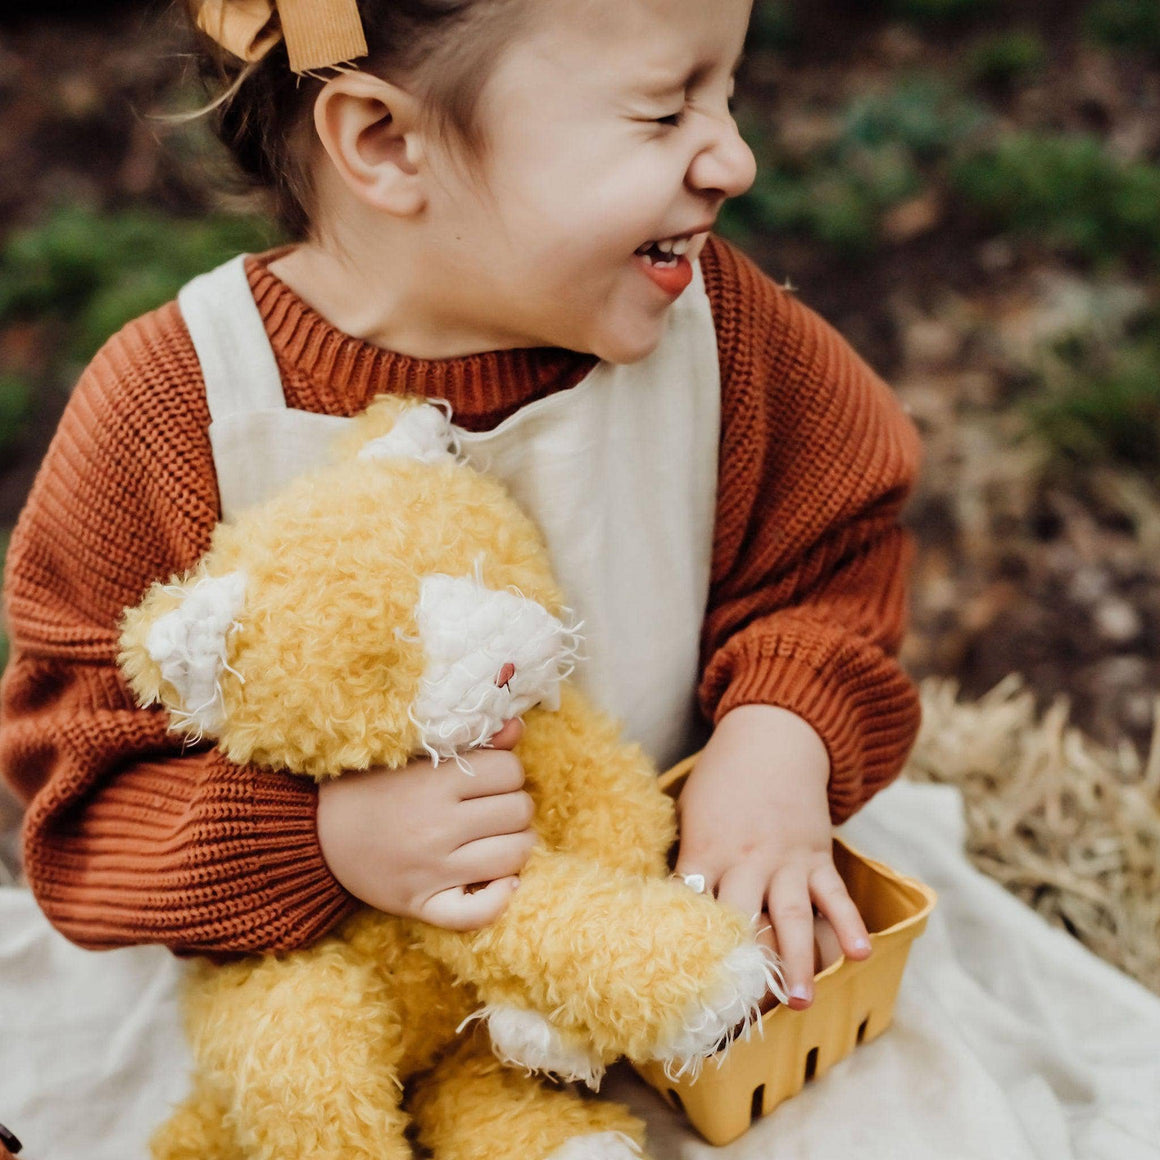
x=507 y=205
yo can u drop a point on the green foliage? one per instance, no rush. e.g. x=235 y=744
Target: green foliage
x=922 y=114
x=15 y=408
x=1069 y=192
x=839 y=205
x=772 y=25
x=1132 y=24
x=1006 y=58
x=934 y=12
x=1104 y=403
x=883 y=148
x=828 y=206
x=97 y=272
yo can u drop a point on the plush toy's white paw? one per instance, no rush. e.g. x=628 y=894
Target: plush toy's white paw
x=733 y=1002
x=525 y=1039
x=598 y=1146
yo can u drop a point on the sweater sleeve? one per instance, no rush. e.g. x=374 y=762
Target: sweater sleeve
x=807 y=605
x=129 y=837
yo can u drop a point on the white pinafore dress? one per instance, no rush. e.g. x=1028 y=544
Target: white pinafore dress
x=619 y=473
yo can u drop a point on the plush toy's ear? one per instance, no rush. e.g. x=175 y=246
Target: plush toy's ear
x=402 y=428
x=174 y=647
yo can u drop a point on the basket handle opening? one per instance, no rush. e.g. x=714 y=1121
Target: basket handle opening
x=757 y=1106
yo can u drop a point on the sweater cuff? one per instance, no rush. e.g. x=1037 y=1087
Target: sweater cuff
x=868 y=720
x=302 y=899
x=196 y=853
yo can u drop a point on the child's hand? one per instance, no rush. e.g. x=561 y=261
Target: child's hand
x=755 y=822
x=411 y=841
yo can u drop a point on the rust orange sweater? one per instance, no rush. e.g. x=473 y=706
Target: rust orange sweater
x=130 y=839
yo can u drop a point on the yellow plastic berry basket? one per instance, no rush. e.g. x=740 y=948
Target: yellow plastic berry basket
x=853 y=1003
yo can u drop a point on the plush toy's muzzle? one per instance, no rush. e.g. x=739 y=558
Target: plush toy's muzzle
x=490 y=656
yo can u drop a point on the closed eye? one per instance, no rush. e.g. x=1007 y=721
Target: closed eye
x=673 y=119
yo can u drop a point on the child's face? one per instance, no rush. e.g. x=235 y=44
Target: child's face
x=609 y=128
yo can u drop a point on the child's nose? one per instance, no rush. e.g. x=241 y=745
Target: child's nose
x=726 y=165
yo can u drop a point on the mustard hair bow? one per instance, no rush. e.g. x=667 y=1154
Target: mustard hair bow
x=318 y=33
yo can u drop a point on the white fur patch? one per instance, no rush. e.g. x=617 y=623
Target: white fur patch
x=474 y=638
x=734 y=1002
x=527 y=1040
x=598 y=1146
x=189 y=646
x=422 y=432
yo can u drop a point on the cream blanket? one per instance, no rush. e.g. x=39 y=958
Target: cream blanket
x=1010 y=1042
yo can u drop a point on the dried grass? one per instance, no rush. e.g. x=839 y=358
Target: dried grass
x=1068 y=826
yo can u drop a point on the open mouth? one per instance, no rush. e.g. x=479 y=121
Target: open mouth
x=668 y=252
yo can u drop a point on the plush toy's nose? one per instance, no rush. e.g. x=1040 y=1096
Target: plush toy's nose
x=505 y=675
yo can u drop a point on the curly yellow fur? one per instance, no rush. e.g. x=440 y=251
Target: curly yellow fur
x=306 y=1054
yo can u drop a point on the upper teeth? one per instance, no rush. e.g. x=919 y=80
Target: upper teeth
x=678 y=246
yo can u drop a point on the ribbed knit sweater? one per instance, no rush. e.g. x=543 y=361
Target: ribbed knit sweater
x=130 y=839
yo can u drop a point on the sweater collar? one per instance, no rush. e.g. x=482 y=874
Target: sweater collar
x=483 y=389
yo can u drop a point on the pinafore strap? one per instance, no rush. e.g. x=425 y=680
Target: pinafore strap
x=259 y=444
x=223 y=321
x=619 y=473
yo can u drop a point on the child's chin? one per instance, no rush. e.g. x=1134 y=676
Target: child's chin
x=629 y=347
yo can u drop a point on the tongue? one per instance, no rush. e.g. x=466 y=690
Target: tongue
x=673 y=279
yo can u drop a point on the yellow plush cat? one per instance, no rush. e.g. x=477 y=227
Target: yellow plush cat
x=360 y=618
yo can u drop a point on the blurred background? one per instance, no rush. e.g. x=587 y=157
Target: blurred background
x=968 y=189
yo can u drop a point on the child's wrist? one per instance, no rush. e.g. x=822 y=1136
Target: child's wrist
x=775 y=737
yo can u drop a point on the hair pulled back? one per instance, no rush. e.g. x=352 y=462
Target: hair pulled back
x=442 y=50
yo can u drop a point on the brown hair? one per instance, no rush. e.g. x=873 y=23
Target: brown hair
x=444 y=50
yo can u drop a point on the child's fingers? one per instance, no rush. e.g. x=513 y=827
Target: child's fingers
x=833 y=900
x=697 y=871
x=492 y=771
x=764 y=937
x=697 y=854
x=464 y=908
x=793 y=922
x=827 y=949
x=743 y=887
x=508 y=736
x=826 y=944
x=499 y=813
x=486 y=859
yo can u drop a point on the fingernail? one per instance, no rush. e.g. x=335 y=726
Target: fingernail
x=516 y=884
x=803 y=993
x=862 y=944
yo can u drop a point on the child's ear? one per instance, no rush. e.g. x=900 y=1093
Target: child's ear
x=373 y=134
x=175 y=647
